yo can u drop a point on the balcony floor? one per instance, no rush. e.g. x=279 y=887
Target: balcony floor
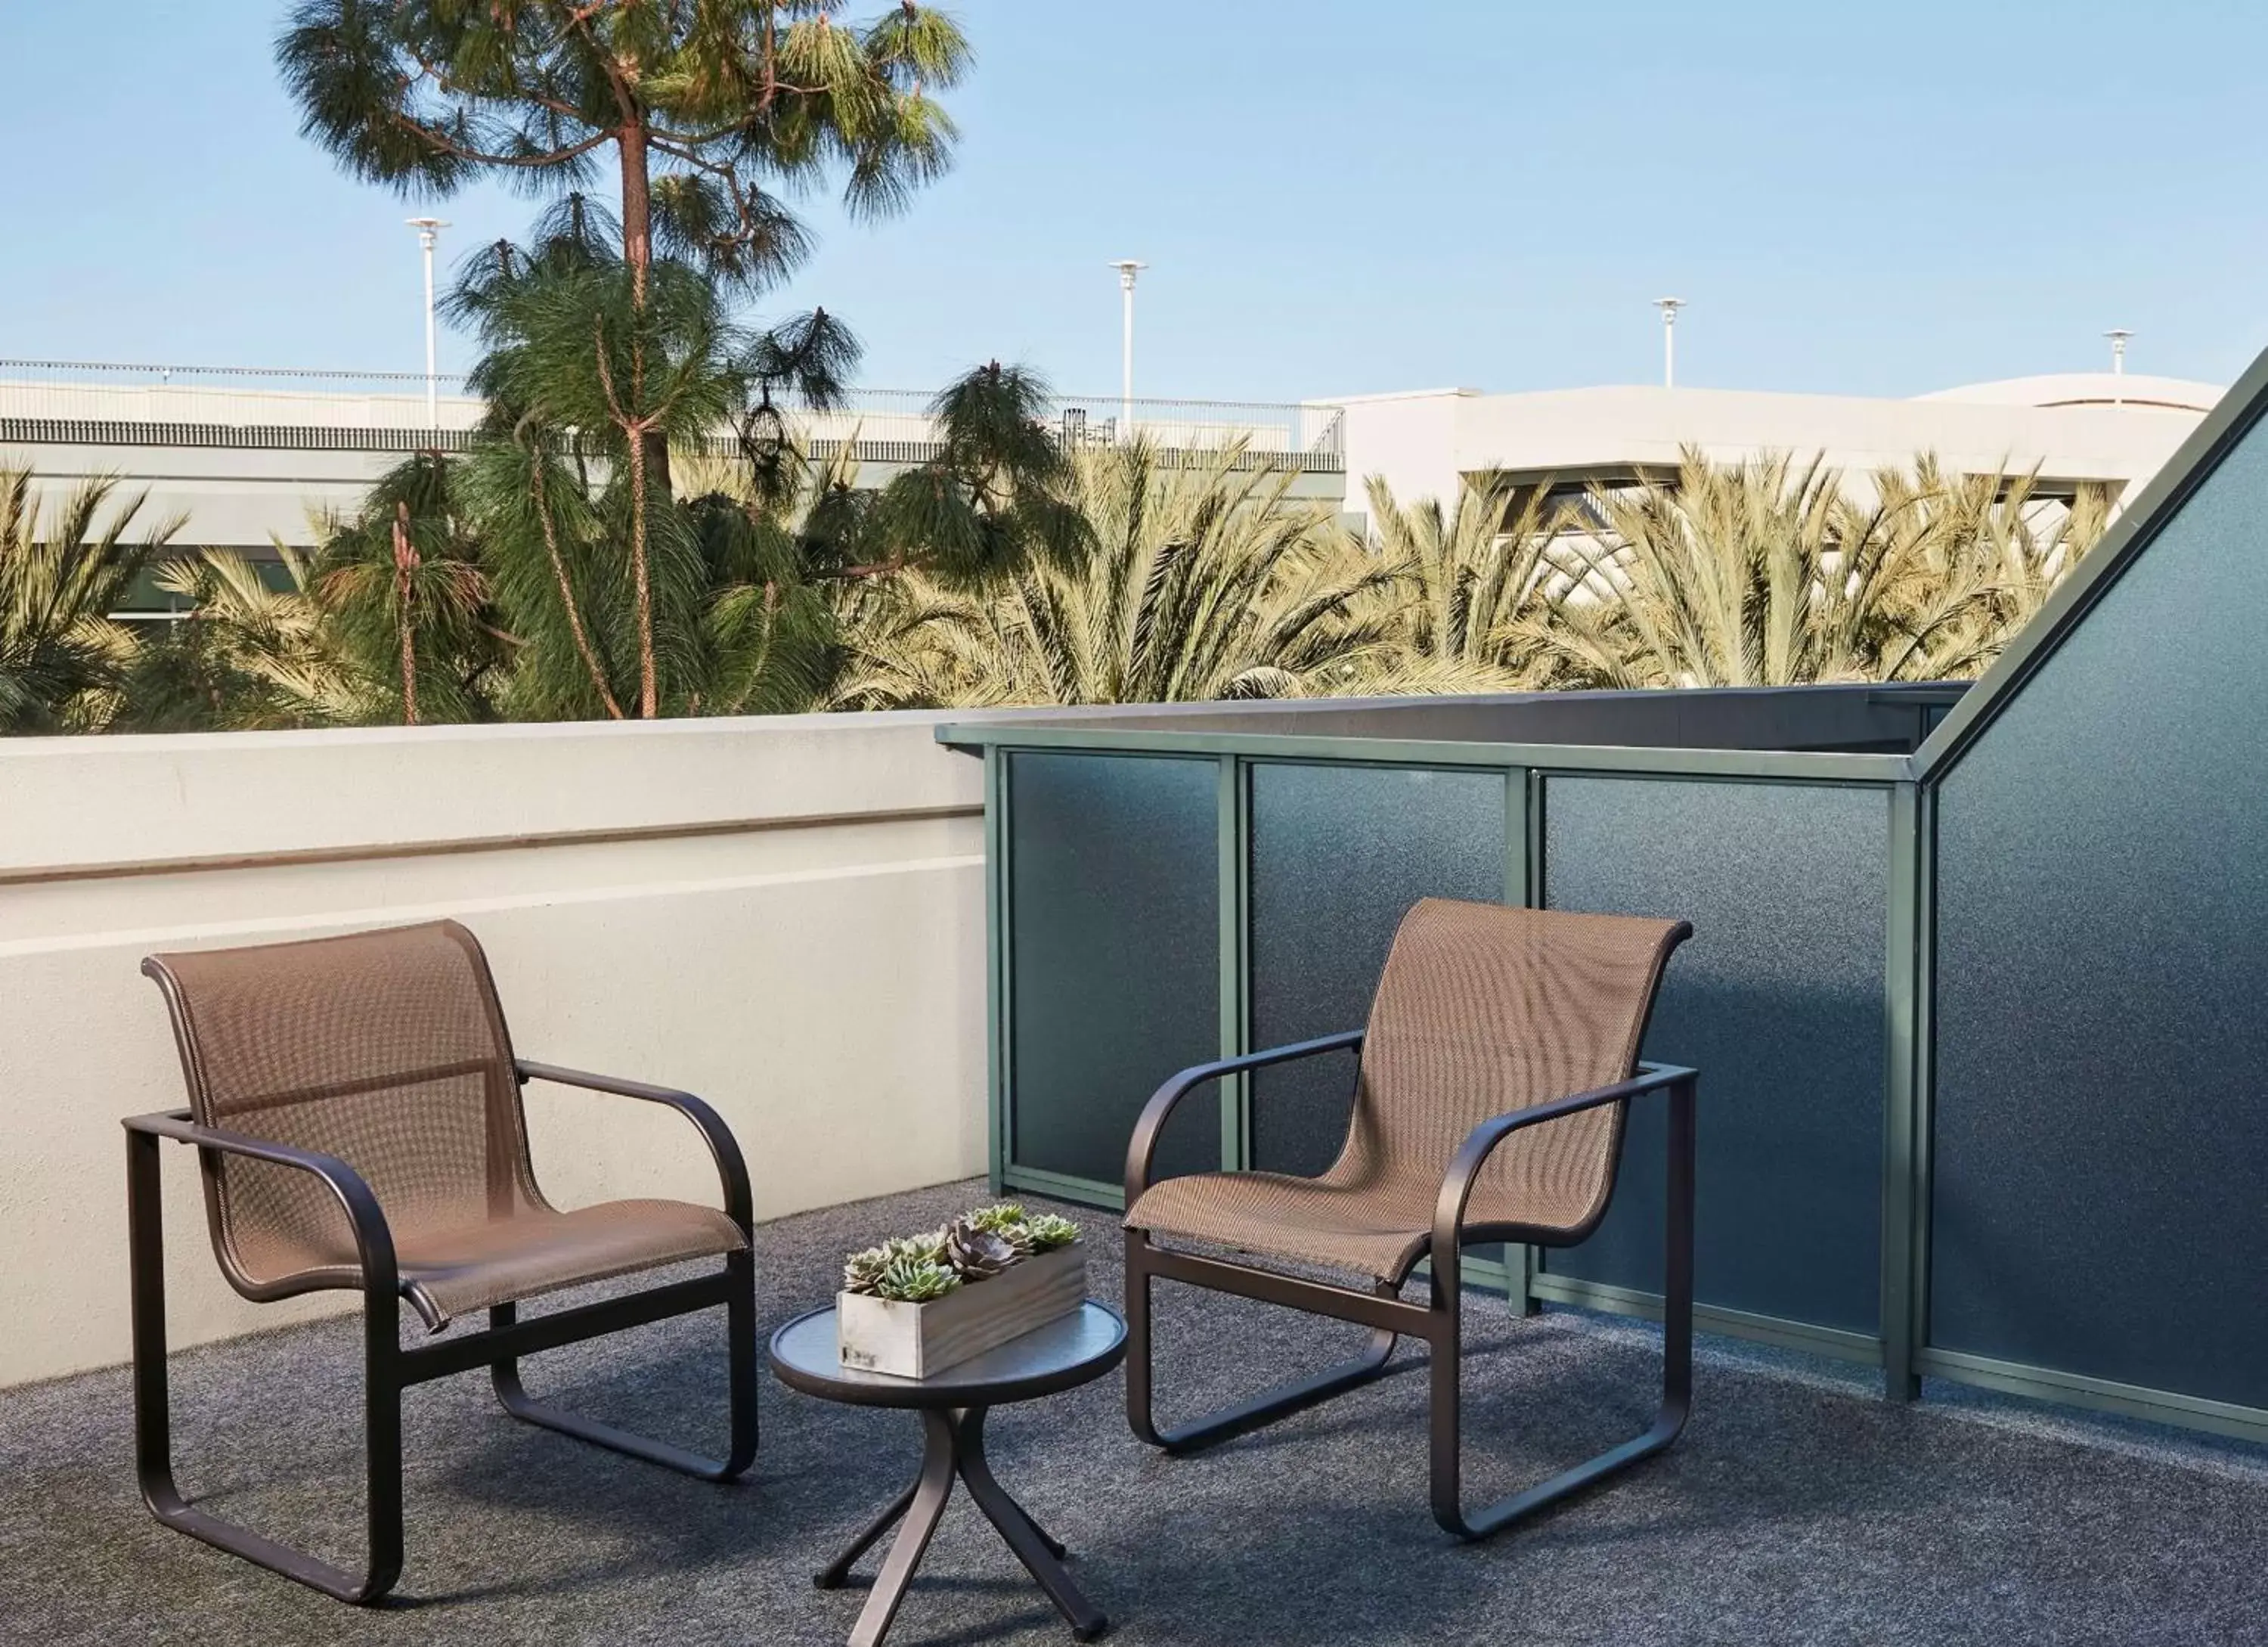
x=1798 y=1508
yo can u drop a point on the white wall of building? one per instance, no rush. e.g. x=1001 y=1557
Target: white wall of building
x=783 y=915
x=2066 y=428
x=1412 y=439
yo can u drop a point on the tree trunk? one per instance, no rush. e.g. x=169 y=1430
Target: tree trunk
x=637 y=208
x=637 y=253
x=405 y=563
x=648 y=449
x=649 y=704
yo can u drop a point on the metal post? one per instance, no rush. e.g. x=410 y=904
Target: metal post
x=427 y=230
x=1127 y=268
x=2118 y=335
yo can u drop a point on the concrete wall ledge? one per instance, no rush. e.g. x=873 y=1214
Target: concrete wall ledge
x=785 y=915
x=107 y=805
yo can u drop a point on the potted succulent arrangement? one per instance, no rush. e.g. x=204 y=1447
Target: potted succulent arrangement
x=919 y=1304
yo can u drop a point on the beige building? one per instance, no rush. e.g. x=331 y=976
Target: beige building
x=249 y=457
x=2070 y=428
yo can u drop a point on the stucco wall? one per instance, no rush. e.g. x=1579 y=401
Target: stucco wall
x=783 y=915
x=1422 y=444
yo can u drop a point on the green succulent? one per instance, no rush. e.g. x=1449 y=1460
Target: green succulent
x=1046 y=1232
x=910 y=1280
x=916 y=1269
x=863 y=1272
x=926 y=1248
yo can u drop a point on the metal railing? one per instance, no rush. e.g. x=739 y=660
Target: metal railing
x=107 y=404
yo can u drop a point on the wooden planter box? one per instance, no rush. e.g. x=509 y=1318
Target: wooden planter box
x=914 y=1341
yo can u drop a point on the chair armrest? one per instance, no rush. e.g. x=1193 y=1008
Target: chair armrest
x=1143 y=1146
x=1481 y=1144
x=723 y=1149
x=373 y=1239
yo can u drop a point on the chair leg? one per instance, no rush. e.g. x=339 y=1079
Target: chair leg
x=153 y=1450
x=1283 y=1400
x=740 y=1332
x=1447 y=1424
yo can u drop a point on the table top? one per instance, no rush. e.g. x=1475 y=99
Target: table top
x=1071 y=1350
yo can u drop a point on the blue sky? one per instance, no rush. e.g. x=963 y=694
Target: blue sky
x=1336 y=198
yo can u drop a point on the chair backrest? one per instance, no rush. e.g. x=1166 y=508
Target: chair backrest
x=387 y=1049
x=1483 y=1009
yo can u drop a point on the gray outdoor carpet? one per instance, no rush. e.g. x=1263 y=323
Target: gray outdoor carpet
x=1798 y=1508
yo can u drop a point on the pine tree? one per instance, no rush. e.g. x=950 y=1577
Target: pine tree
x=614 y=335
x=712 y=112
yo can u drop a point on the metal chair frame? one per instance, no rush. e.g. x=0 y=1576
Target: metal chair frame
x=1436 y=1322
x=389 y=1369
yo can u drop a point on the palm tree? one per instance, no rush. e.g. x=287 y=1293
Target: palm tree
x=1764 y=573
x=1468 y=584
x=248 y=656
x=1206 y=582
x=63 y=570
x=1998 y=549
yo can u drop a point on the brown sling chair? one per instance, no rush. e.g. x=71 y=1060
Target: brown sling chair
x=357 y=1111
x=1500 y=1055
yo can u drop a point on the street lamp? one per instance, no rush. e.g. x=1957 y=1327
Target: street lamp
x=1669 y=307
x=2117 y=335
x=1127 y=268
x=429 y=229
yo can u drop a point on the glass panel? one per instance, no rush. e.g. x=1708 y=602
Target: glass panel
x=2102 y=934
x=1778 y=1002
x=1339 y=853
x=1114 y=924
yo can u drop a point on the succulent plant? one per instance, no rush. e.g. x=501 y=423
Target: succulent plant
x=927 y=1247
x=976 y=1253
x=863 y=1272
x=1008 y=1220
x=914 y=1269
x=1046 y=1232
x=910 y=1280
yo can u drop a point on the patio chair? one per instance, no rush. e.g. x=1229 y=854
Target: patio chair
x=1500 y=1055
x=357 y=1111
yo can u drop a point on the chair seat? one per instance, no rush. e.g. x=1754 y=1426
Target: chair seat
x=470 y=1266
x=1377 y=1230
x=1372 y=1232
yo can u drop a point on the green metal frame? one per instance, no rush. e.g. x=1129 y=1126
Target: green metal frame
x=1902 y=1349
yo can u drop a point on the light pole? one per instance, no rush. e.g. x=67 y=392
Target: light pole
x=1669 y=307
x=2117 y=335
x=1127 y=268
x=429 y=230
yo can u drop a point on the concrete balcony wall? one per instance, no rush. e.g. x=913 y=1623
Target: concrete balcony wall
x=783 y=915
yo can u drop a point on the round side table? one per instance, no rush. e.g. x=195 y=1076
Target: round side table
x=1060 y=1355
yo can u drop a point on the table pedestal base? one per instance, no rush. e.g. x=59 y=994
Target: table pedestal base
x=952 y=1444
